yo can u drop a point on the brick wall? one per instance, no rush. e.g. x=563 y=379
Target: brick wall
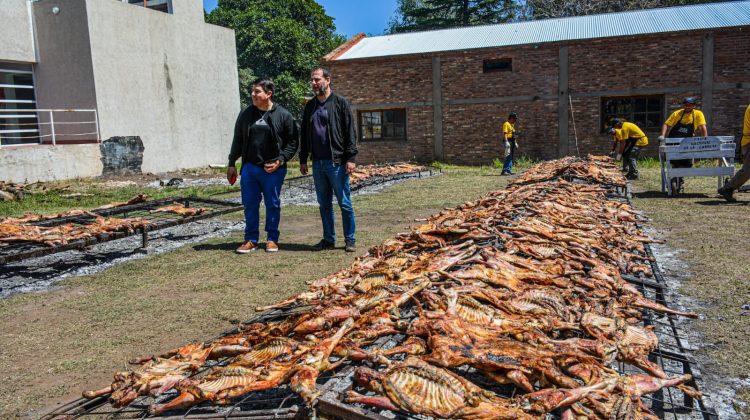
x=475 y=104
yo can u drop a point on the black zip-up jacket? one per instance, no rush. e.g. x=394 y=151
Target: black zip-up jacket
x=283 y=130
x=341 y=131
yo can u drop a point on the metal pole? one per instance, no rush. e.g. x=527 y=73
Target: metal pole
x=52 y=127
x=96 y=121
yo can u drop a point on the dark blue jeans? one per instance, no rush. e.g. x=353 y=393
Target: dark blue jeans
x=332 y=180
x=254 y=184
x=510 y=151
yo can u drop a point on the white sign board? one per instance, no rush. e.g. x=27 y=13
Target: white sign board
x=699 y=144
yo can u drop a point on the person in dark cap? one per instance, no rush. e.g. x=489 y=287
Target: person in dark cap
x=635 y=139
x=616 y=151
x=509 y=137
x=685 y=122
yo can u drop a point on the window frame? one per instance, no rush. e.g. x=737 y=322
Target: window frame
x=382 y=111
x=605 y=118
x=487 y=65
x=164 y=6
x=16 y=127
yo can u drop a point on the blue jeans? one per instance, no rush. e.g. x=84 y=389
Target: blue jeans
x=254 y=183
x=333 y=180
x=510 y=151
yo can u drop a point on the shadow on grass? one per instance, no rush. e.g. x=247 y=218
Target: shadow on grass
x=231 y=246
x=224 y=246
x=723 y=203
x=659 y=194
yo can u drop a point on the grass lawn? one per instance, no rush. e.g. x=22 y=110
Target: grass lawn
x=714 y=239
x=56 y=344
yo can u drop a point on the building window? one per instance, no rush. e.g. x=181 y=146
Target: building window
x=18 y=120
x=647 y=112
x=387 y=124
x=160 y=5
x=503 y=64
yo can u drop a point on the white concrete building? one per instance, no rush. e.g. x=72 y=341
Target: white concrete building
x=159 y=73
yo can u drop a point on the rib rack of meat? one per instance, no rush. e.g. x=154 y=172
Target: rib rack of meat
x=539 y=300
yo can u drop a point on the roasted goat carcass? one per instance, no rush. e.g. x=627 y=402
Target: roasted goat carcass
x=140 y=198
x=180 y=209
x=418 y=387
x=300 y=369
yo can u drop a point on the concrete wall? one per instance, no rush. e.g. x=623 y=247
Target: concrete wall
x=170 y=79
x=474 y=104
x=47 y=163
x=16 y=34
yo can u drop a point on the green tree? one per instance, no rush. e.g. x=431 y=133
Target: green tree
x=279 y=39
x=545 y=9
x=420 y=15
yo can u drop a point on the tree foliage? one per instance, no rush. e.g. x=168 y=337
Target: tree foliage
x=419 y=15
x=544 y=9
x=279 y=39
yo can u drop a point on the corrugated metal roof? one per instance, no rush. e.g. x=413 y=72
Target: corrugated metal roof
x=668 y=19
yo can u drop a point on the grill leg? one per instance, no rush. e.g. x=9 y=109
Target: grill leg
x=144 y=239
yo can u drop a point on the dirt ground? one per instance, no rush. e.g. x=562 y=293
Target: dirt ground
x=57 y=344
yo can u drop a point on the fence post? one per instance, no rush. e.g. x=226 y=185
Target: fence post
x=96 y=121
x=52 y=127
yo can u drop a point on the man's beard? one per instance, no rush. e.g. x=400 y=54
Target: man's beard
x=321 y=91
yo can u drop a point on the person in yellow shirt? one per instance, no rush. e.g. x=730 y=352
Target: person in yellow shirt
x=685 y=122
x=509 y=139
x=634 y=140
x=743 y=175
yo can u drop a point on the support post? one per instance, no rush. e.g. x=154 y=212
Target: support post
x=562 y=102
x=52 y=127
x=707 y=83
x=437 y=109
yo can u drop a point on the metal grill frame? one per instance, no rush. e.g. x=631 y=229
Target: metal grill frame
x=19 y=251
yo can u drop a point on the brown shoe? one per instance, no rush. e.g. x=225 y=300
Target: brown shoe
x=271 y=246
x=246 y=248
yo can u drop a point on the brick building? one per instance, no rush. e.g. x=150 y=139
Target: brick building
x=443 y=95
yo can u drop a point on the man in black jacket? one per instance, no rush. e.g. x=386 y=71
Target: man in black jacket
x=266 y=137
x=328 y=134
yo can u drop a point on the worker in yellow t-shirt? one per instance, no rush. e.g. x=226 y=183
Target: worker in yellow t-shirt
x=743 y=175
x=634 y=140
x=685 y=122
x=509 y=140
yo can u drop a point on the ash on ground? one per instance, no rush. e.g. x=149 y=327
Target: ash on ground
x=42 y=273
x=718 y=391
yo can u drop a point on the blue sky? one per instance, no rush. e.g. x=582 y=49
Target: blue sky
x=351 y=16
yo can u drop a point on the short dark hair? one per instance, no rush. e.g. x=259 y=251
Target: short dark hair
x=326 y=71
x=265 y=84
x=512 y=115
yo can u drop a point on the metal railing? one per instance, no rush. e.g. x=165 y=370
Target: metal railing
x=29 y=127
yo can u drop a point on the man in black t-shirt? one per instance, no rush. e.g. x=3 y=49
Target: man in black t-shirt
x=266 y=137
